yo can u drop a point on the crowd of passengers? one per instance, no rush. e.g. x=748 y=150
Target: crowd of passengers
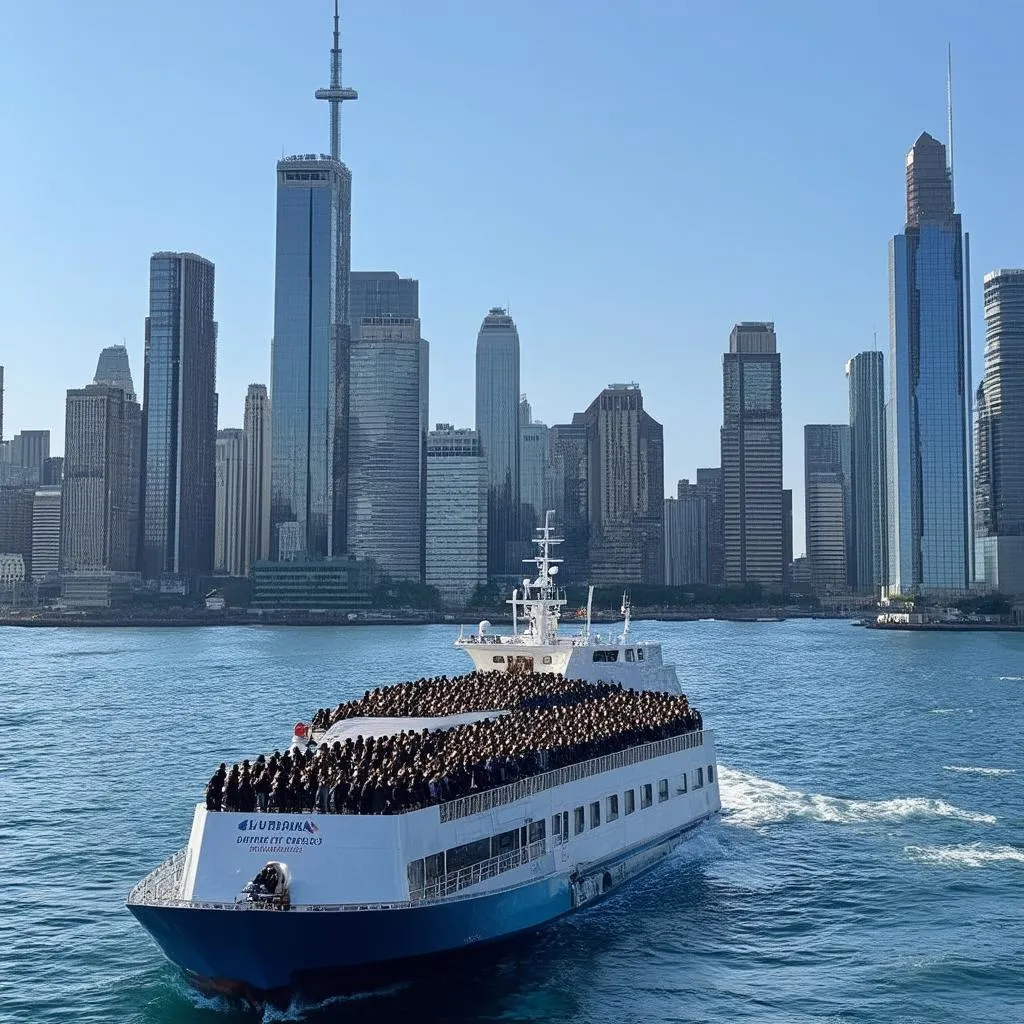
x=549 y=723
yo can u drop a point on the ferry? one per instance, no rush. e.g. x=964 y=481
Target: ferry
x=263 y=905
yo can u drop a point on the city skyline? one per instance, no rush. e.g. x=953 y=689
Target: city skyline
x=393 y=227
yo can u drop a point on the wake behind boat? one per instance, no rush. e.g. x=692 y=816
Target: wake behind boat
x=439 y=814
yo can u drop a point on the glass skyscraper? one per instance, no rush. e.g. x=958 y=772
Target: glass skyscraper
x=926 y=416
x=868 y=562
x=388 y=445
x=999 y=437
x=826 y=502
x=309 y=362
x=497 y=420
x=179 y=425
x=381 y=293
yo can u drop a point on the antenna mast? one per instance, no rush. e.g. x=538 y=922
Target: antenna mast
x=336 y=93
x=949 y=116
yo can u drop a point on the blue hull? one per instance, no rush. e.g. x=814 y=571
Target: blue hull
x=255 y=953
x=265 y=955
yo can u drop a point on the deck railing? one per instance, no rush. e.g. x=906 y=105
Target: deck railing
x=163 y=883
x=446 y=885
x=486 y=799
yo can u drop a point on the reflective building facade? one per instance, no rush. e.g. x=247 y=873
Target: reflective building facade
x=309 y=385
x=569 y=496
x=102 y=476
x=179 y=417
x=926 y=416
x=999 y=437
x=752 y=457
x=626 y=479
x=826 y=503
x=497 y=420
x=869 y=538
x=229 y=527
x=709 y=487
x=456 y=561
x=686 y=536
x=534 y=489
x=257 y=476
x=381 y=293
x=387 y=445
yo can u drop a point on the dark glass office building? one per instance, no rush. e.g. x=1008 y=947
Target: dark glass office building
x=999 y=437
x=179 y=420
x=309 y=385
x=926 y=417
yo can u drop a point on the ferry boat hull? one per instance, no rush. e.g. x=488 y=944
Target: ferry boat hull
x=268 y=956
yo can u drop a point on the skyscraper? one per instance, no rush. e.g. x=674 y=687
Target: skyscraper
x=686 y=536
x=709 y=487
x=45 y=532
x=999 y=437
x=257 y=476
x=309 y=384
x=752 y=457
x=456 y=558
x=229 y=518
x=497 y=420
x=868 y=562
x=787 y=536
x=381 y=293
x=179 y=417
x=570 y=494
x=826 y=498
x=31 y=449
x=113 y=368
x=387 y=445
x=534 y=486
x=99 y=508
x=926 y=417
x=626 y=477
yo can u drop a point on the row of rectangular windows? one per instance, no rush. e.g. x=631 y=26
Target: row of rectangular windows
x=560 y=822
x=599 y=656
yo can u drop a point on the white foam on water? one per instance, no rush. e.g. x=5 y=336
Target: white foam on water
x=753 y=802
x=298 y=1008
x=951 y=711
x=969 y=855
x=971 y=770
x=1011 y=679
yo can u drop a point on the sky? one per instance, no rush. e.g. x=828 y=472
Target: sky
x=630 y=180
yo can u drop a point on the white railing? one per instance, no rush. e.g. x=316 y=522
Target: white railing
x=464 y=806
x=446 y=885
x=162 y=884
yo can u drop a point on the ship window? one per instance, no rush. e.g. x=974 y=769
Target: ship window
x=606 y=655
x=503 y=843
x=579 y=822
x=662 y=791
x=646 y=795
x=711 y=773
x=630 y=654
x=433 y=867
x=546 y=660
x=681 y=788
x=468 y=853
x=639 y=654
x=536 y=831
x=556 y=827
x=415 y=870
x=498 y=659
x=629 y=801
x=700 y=777
x=612 y=810
x=595 y=814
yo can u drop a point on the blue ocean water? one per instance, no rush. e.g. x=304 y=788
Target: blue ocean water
x=869 y=865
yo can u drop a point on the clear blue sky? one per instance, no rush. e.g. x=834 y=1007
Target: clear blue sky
x=631 y=179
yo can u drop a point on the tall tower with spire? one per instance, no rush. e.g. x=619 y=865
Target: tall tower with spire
x=930 y=541
x=310 y=352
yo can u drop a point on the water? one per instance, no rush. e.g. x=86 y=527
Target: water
x=869 y=865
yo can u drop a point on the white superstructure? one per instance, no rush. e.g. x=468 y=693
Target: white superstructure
x=539 y=646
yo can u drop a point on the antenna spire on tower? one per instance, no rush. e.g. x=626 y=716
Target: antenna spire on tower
x=336 y=93
x=949 y=116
